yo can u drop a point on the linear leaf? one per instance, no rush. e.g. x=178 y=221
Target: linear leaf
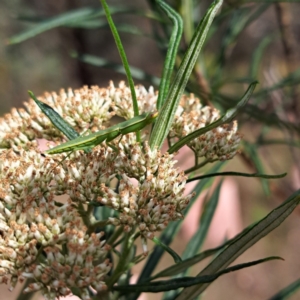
x=55 y=118
x=122 y=56
x=278 y=142
x=167 y=112
x=166 y=285
x=197 y=240
x=171 y=53
x=185 y=264
x=82 y=17
x=287 y=292
x=259 y=114
x=102 y=62
x=252 y=152
x=226 y=118
x=237 y=174
x=77 y=15
x=258 y=55
x=271 y=119
x=245 y=241
x=168 y=249
x=169 y=233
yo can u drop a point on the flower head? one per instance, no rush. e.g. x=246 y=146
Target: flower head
x=32 y=219
x=83 y=108
x=53 y=242
x=221 y=143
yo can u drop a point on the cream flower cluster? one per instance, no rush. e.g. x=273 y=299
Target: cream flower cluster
x=83 y=109
x=158 y=195
x=154 y=198
x=51 y=242
x=122 y=101
x=220 y=143
x=33 y=223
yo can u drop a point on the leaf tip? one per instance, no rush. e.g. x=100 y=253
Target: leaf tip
x=31 y=95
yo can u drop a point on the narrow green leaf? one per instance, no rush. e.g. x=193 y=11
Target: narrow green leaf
x=55 y=118
x=88 y=23
x=238 y=21
x=237 y=174
x=187 y=10
x=169 y=233
x=168 y=249
x=271 y=119
x=245 y=241
x=196 y=242
x=184 y=264
x=96 y=24
x=86 y=17
x=278 y=142
x=187 y=263
x=258 y=55
x=198 y=239
x=167 y=112
x=171 y=53
x=287 y=292
x=290 y=80
x=123 y=58
x=102 y=62
x=226 y=118
x=235 y=25
x=77 y=15
x=259 y=114
x=166 y=285
x=252 y=152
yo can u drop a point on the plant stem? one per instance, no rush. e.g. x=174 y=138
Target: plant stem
x=119 y=270
x=115 y=236
x=198 y=166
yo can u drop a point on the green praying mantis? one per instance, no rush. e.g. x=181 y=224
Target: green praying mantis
x=107 y=135
x=77 y=142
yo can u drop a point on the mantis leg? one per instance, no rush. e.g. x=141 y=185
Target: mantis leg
x=111 y=136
